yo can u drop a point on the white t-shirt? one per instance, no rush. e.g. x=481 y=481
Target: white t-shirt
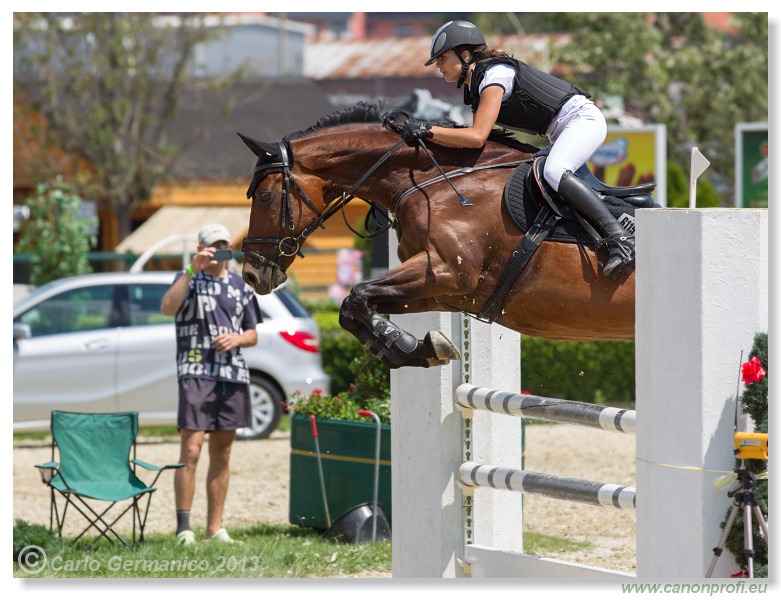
x=503 y=75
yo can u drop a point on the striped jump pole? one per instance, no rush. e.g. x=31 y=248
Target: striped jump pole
x=540 y=484
x=546 y=409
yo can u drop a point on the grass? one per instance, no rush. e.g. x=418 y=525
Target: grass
x=267 y=551
x=143 y=432
x=540 y=544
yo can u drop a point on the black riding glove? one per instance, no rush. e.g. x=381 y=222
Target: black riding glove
x=415 y=131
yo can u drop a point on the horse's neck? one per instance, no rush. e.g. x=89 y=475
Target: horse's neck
x=341 y=161
x=342 y=158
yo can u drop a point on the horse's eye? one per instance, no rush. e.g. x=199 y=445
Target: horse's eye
x=265 y=196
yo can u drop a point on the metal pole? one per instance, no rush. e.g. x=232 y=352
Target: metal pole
x=320 y=471
x=368 y=413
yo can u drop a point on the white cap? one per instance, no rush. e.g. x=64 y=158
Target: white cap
x=214 y=232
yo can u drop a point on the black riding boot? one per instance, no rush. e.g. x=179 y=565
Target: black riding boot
x=583 y=199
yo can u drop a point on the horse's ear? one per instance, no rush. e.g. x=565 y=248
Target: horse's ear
x=259 y=148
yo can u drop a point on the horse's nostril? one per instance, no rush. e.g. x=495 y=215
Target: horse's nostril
x=250 y=279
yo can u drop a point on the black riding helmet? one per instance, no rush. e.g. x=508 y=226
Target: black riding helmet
x=452 y=35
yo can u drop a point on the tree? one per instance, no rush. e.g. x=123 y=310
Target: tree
x=55 y=235
x=109 y=85
x=673 y=68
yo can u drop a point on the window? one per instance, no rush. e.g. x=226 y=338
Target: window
x=145 y=299
x=83 y=309
x=292 y=304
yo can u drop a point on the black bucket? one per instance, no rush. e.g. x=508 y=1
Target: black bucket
x=355 y=526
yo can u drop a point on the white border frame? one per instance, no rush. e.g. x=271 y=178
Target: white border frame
x=739 y=129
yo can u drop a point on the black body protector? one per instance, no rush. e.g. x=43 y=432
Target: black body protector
x=536 y=97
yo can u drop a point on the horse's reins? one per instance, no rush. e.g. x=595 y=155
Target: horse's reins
x=290 y=245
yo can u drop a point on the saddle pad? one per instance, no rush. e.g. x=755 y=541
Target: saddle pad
x=524 y=201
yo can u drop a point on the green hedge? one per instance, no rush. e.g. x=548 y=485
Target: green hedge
x=601 y=372
x=339 y=350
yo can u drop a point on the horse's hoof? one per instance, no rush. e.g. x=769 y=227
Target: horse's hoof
x=435 y=362
x=444 y=349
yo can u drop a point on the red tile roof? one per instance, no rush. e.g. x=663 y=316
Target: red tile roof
x=404 y=57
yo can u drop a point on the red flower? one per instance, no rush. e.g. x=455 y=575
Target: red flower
x=739 y=574
x=753 y=371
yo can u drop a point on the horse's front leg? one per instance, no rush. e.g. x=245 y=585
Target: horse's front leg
x=412 y=283
x=389 y=355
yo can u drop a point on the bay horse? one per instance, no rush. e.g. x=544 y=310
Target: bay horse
x=452 y=256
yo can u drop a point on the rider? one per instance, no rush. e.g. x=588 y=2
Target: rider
x=505 y=91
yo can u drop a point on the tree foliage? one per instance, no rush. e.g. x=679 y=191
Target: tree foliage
x=56 y=236
x=109 y=85
x=673 y=68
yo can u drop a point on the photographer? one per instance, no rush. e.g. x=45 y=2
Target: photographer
x=216 y=315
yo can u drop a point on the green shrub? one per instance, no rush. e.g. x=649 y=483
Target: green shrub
x=599 y=372
x=754 y=402
x=358 y=380
x=339 y=350
x=342 y=406
x=678 y=189
x=55 y=235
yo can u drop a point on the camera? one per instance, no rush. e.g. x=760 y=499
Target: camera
x=751 y=446
x=222 y=254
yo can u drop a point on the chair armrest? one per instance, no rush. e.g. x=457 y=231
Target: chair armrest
x=48 y=465
x=47 y=470
x=150 y=467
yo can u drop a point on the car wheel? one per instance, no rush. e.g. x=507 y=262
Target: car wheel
x=267 y=407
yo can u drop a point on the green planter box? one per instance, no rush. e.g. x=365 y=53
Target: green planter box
x=347 y=449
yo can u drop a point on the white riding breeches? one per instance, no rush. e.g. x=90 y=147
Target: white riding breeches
x=575 y=134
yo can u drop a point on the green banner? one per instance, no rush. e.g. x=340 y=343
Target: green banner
x=753 y=167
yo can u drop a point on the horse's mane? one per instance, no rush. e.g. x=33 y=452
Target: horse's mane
x=368 y=112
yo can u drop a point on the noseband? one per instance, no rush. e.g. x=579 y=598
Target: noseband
x=290 y=244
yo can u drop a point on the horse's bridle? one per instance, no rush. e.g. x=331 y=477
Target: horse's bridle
x=290 y=244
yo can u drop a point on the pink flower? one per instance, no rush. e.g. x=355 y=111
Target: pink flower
x=753 y=371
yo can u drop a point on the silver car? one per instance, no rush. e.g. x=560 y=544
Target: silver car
x=99 y=343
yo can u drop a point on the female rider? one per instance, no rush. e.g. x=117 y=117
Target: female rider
x=510 y=93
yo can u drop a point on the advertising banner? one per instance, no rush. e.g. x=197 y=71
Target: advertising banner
x=751 y=165
x=631 y=156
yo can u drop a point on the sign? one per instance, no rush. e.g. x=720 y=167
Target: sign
x=633 y=155
x=751 y=165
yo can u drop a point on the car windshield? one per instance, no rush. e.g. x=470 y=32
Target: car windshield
x=292 y=304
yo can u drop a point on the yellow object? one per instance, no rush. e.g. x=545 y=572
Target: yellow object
x=751 y=446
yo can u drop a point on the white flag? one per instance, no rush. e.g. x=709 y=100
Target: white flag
x=699 y=164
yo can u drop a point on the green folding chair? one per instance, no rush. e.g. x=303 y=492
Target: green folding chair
x=95 y=465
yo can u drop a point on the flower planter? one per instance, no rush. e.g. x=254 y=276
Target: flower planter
x=347 y=450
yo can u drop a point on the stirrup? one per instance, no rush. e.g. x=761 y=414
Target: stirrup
x=621 y=253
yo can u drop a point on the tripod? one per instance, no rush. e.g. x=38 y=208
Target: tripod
x=745 y=497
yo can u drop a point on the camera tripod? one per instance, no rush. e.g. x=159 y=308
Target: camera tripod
x=745 y=498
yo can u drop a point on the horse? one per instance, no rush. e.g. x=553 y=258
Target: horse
x=453 y=243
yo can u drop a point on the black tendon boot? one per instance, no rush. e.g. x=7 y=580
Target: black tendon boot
x=621 y=248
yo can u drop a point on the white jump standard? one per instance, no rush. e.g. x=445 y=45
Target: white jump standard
x=702 y=295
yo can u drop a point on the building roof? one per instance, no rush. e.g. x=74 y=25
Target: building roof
x=180 y=221
x=404 y=57
x=263 y=109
